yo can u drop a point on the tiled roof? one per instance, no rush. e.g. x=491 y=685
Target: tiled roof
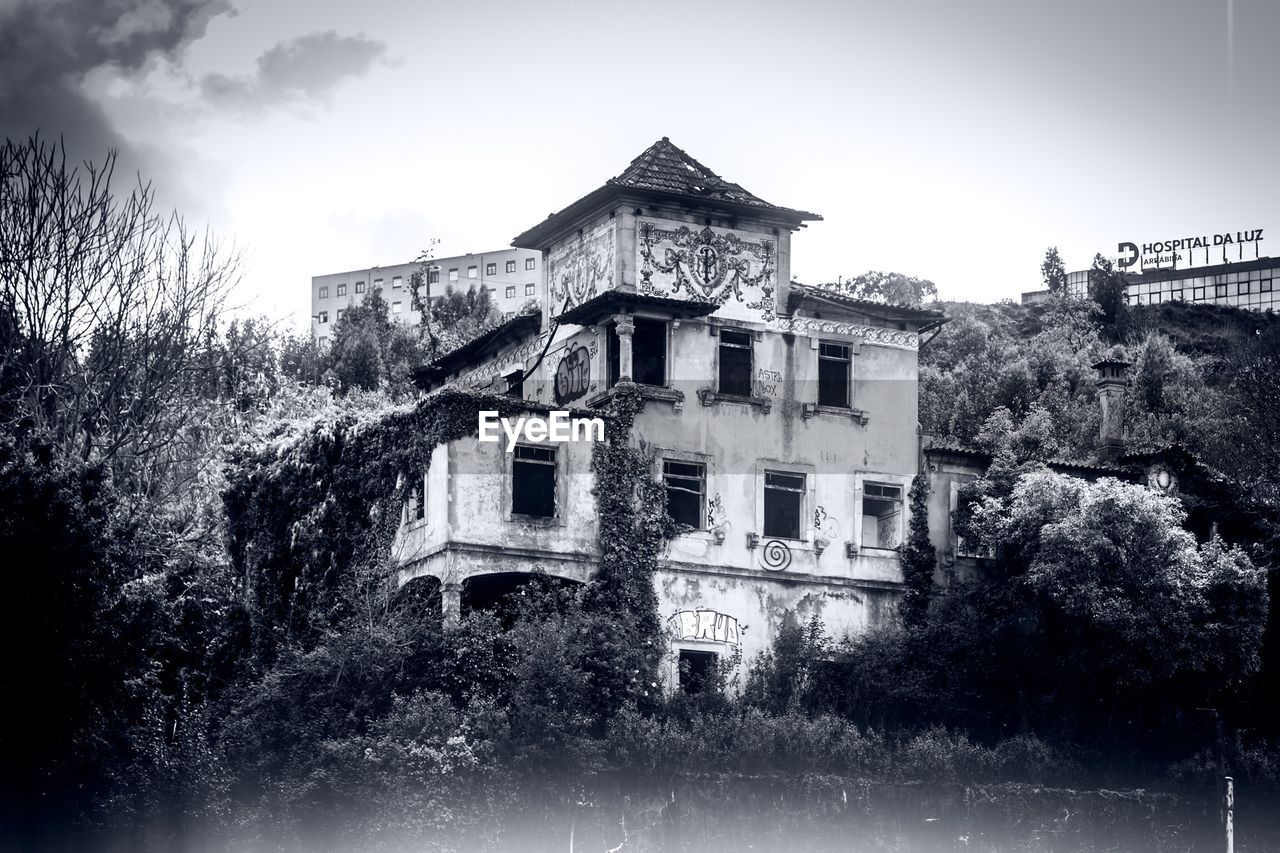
x=518 y=327
x=612 y=301
x=663 y=170
x=666 y=168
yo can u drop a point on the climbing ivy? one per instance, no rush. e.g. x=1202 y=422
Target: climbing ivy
x=919 y=557
x=311 y=524
x=634 y=527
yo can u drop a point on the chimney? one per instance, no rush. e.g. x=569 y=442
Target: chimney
x=1111 y=382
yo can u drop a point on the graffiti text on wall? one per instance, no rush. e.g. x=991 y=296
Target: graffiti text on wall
x=573 y=375
x=704 y=625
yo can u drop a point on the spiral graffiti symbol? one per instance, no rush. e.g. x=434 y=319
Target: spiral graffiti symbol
x=775 y=556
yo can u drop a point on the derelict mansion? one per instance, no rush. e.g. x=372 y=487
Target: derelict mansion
x=783 y=420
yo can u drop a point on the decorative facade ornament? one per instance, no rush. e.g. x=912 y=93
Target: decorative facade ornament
x=707 y=265
x=581 y=267
x=870 y=334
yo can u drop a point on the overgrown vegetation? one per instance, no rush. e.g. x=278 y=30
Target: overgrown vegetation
x=204 y=636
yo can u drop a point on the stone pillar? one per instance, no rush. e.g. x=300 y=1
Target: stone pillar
x=626 y=327
x=451 y=603
x=1111 y=384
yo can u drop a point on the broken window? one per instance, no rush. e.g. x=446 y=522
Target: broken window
x=515 y=383
x=697 y=670
x=648 y=353
x=533 y=481
x=783 y=504
x=834 y=362
x=735 y=362
x=881 y=515
x=686 y=486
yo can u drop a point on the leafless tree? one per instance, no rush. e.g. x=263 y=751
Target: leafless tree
x=104 y=304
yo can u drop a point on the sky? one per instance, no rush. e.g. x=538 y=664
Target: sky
x=952 y=141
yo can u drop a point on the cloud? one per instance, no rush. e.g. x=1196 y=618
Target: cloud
x=49 y=48
x=308 y=67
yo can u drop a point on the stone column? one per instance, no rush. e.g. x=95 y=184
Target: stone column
x=626 y=327
x=451 y=603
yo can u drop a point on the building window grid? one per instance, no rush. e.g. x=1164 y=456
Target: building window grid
x=324 y=293
x=342 y=290
x=511 y=291
x=528 y=290
x=490 y=269
x=359 y=287
x=473 y=271
x=510 y=267
x=528 y=263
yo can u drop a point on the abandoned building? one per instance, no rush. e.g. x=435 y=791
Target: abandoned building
x=783 y=417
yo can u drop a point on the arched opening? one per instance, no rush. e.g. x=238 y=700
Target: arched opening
x=505 y=593
x=419 y=597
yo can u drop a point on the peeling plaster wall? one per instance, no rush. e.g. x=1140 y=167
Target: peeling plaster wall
x=759 y=607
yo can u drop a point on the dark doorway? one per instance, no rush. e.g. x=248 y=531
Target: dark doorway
x=504 y=593
x=697 y=671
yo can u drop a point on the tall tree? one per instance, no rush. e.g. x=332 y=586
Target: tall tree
x=104 y=303
x=1053 y=272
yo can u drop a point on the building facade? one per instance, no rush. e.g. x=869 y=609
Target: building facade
x=512 y=276
x=783 y=418
x=1247 y=284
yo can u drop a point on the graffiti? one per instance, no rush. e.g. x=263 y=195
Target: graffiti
x=825 y=524
x=708 y=265
x=573 y=375
x=715 y=511
x=704 y=625
x=775 y=556
x=582 y=268
x=767 y=382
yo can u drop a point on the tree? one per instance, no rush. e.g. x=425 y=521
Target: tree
x=1107 y=287
x=1053 y=272
x=104 y=304
x=370 y=349
x=450 y=319
x=1121 y=619
x=889 y=288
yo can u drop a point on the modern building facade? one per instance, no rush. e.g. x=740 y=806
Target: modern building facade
x=1249 y=284
x=783 y=418
x=513 y=277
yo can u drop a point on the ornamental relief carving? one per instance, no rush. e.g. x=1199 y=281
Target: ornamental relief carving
x=581 y=267
x=871 y=334
x=707 y=265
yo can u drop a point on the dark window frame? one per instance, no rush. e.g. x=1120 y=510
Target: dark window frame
x=528 y=462
x=529 y=263
x=511 y=291
x=730 y=378
x=686 y=477
x=780 y=488
x=491 y=268
x=836 y=357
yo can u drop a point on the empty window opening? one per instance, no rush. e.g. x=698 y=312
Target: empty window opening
x=686 y=487
x=834 y=371
x=881 y=515
x=735 y=362
x=783 y=504
x=697 y=670
x=648 y=353
x=533 y=481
